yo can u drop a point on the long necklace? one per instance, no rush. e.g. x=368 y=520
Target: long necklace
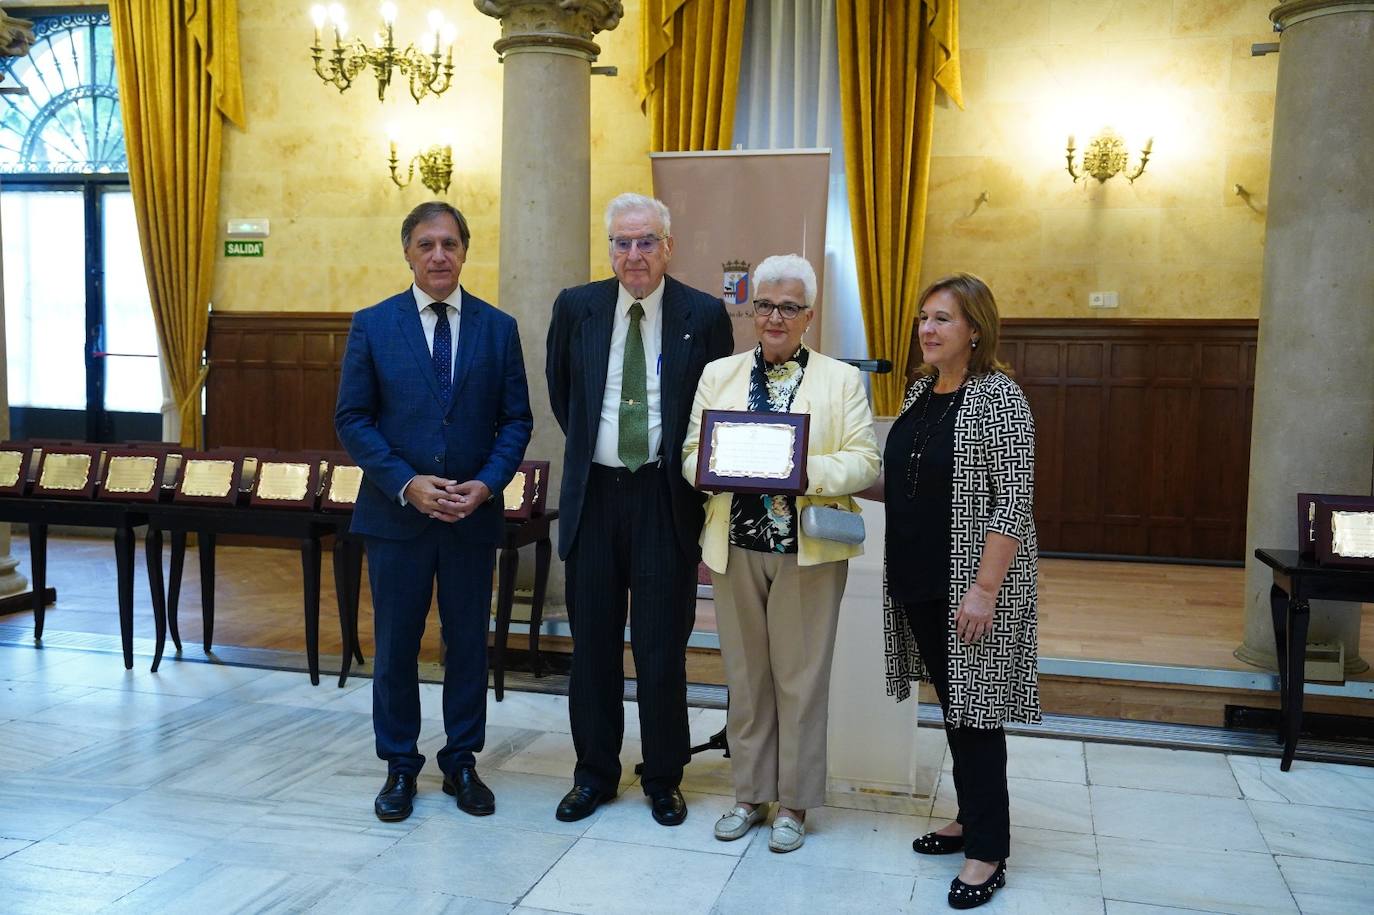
x=920 y=443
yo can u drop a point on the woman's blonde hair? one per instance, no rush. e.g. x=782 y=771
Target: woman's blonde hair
x=980 y=308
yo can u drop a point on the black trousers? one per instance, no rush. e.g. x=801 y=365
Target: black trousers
x=627 y=558
x=979 y=754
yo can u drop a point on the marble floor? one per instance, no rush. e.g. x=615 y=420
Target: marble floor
x=207 y=789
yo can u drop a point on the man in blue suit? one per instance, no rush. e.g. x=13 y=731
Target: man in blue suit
x=434 y=407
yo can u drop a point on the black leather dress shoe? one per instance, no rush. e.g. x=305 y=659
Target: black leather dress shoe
x=668 y=807
x=394 y=801
x=474 y=797
x=580 y=803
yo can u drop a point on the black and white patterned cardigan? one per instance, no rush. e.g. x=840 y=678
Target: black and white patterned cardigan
x=994 y=680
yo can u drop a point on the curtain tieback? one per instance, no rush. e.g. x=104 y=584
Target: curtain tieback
x=194 y=390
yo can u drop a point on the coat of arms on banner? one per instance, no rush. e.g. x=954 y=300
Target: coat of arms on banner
x=736 y=285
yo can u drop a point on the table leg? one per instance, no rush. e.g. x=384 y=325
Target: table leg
x=355 y=585
x=1278 y=609
x=310 y=570
x=152 y=548
x=1299 y=613
x=507 y=565
x=174 y=585
x=38 y=569
x=347 y=615
x=124 y=575
x=543 y=553
x=207 y=588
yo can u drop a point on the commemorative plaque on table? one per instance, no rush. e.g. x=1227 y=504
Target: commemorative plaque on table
x=132 y=476
x=209 y=478
x=525 y=494
x=284 y=481
x=1345 y=531
x=67 y=473
x=14 y=468
x=341 y=487
x=743 y=451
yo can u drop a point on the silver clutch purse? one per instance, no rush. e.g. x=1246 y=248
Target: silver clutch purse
x=825 y=523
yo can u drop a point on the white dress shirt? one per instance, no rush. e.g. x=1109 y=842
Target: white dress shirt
x=607 y=450
x=429 y=320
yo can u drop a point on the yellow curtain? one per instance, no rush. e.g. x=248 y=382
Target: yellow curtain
x=892 y=56
x=689 y=59
x=178 y=68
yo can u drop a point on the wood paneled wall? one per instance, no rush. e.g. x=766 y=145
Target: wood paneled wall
x=1142 y=426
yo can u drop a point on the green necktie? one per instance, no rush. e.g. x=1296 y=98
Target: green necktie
x=634 y=397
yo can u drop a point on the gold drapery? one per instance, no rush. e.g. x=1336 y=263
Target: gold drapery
x=178 y=67
x=689 y=61
x=892 y=56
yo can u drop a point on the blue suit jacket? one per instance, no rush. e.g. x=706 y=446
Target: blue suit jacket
x=390 y=418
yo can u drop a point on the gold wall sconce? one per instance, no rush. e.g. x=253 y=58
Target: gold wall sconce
x=1105 y=156
x=425 y=72
x=436 y=168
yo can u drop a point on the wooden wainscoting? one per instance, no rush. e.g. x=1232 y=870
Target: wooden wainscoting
x=1142 y=432
x=274 y=377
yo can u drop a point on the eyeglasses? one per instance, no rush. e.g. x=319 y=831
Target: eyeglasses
x=647 y=244
x=789 y=310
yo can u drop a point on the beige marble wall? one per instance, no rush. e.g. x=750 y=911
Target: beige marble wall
x=313 y=160
x=1177 y=243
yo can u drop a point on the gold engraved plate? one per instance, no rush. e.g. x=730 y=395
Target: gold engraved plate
x=515 y=492
x=66 y=471
x=129 y=473
x=1352 y=534
x=208 y=478
x=283 y=482
x=11 y=464
x=344 y=484
x=762 y=451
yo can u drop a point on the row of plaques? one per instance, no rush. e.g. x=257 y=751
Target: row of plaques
x=1335 y=530
x=225 y=478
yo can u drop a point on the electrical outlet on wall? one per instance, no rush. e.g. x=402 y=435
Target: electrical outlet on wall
x=1102 y=300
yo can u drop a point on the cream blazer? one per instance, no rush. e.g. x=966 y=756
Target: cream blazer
x=842 y=450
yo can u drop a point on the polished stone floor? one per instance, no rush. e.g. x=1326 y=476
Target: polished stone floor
x=206 y=789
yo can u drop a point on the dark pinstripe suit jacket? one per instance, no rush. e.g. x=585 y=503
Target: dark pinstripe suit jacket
x=696 y=330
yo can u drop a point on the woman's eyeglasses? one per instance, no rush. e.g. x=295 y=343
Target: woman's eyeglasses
x=789 y=310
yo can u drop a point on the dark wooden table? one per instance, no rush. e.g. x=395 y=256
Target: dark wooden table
x=120 y=517
x=1297 y=581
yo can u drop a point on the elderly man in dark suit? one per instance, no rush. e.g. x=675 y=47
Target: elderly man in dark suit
x=624 y=358
x=434 y=407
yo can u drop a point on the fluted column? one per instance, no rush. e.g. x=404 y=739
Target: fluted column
x=1313 y=428
x=547 y=51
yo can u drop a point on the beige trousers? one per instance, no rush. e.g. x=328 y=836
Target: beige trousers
x=777 y=635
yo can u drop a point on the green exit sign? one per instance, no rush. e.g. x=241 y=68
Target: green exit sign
x=243 y=249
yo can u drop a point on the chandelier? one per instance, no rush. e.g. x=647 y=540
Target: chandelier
x=425 y=71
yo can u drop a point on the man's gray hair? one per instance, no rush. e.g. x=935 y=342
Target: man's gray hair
x=782 y=267
x=638 y=203
x=433 y=209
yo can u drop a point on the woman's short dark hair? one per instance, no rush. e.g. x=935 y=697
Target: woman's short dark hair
x=980 y=308
x=432 y=209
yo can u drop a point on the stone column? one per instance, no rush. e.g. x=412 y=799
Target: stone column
x=1313 y=427
x=547 y=53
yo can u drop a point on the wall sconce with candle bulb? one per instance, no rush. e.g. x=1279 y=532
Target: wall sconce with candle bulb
x=1106 y=155
x=436 y=168
x=426 y=73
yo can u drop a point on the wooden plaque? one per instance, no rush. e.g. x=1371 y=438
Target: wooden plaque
x=132 y=476
x=1345 y=531
x=67 y=473
x=342 y=487
x=743 y=451
x=209 y=478
x=14 y=468
x=526 y=493
x=286 y=481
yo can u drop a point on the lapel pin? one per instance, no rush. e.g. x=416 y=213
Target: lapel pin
x=686 y=336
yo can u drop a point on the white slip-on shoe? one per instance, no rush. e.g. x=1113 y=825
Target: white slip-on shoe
x=788 y=835
x=739 y=821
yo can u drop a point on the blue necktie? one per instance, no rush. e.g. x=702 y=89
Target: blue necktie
x=443 y=353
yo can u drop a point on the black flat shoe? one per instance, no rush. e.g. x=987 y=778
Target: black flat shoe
x=580 y=803
x=932 y=843
x=393 y=802
x=668 y=807
x=473 y=796
x=964 y=896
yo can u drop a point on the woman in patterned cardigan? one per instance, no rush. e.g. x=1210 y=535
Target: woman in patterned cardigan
x=961 y=565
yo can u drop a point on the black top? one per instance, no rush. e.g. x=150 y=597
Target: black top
x=920 y=497
x=768 y=523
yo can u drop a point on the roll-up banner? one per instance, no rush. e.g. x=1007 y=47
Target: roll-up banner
x=731 y=209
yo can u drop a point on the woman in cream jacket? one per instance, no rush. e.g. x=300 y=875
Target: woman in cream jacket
x=777 y=588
